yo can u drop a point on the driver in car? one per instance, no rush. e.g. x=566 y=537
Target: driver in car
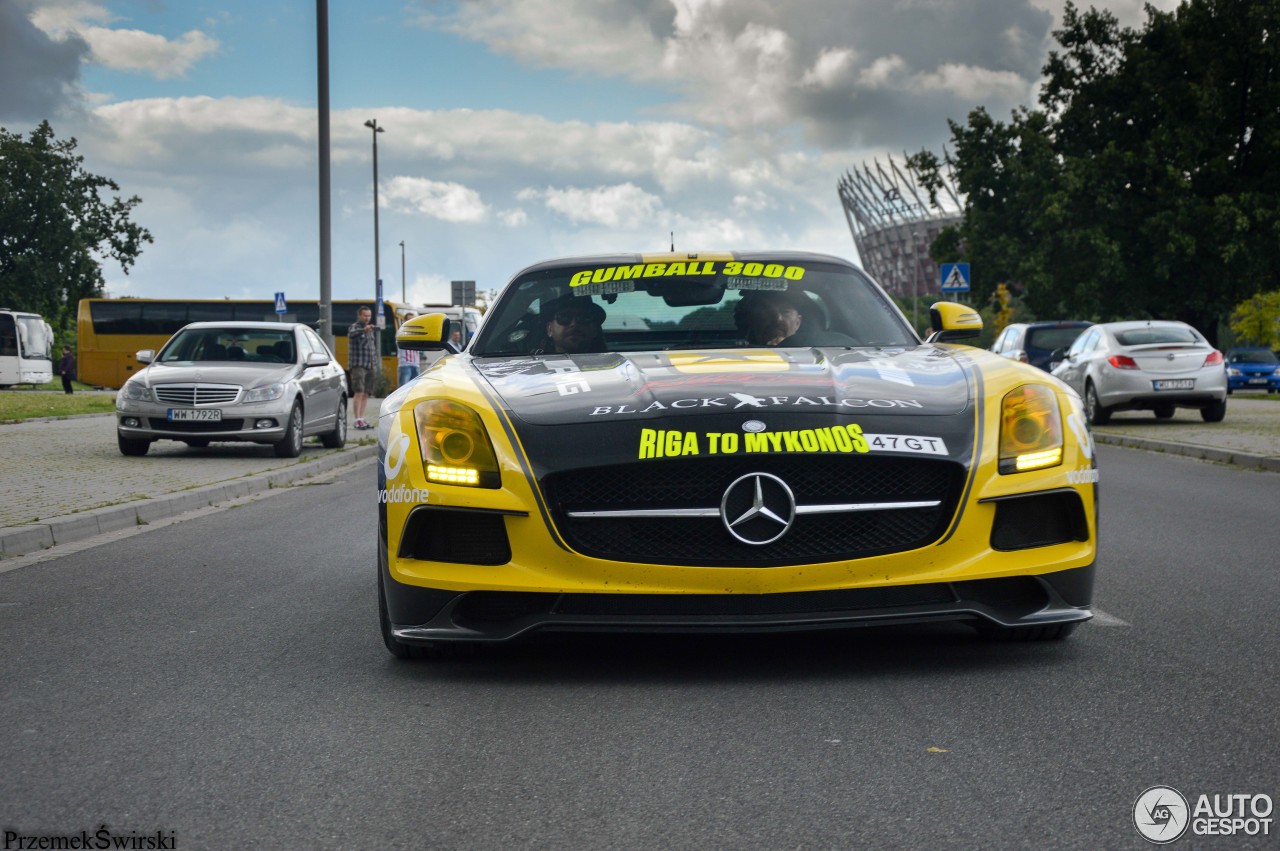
x=573 y=325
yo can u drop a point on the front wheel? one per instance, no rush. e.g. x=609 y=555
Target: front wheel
x=134 y=448
x=396 y=647
x=1098 y=413
x=1215 y=412
x=290 y=446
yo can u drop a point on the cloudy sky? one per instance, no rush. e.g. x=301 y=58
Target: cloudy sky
x=516 y=130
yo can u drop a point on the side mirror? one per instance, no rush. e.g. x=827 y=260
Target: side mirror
x=145 y=355
x=950 y=321
x=316 y=359
x=426 y=333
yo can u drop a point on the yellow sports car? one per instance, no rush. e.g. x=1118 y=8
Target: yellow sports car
x=725 y=442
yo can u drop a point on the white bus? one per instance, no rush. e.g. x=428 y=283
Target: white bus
x=26 y=348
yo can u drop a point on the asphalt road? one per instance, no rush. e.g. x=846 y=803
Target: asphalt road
x=220 y=681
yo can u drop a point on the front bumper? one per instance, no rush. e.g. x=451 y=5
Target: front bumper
x=149 y=421
x=425 y=615
x=1254 y=382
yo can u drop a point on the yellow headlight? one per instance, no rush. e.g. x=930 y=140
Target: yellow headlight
x=1030 y=429
x=455 y=446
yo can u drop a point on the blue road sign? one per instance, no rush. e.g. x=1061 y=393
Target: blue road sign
x=280 y=305
x=955 y=277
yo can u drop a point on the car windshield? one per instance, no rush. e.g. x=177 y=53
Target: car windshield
x=1253 y=356
x=237 y=345
x=619 y=306
x=1161 y=334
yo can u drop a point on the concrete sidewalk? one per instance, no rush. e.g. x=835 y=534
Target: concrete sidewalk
x=63 y=480
x=1249 y=436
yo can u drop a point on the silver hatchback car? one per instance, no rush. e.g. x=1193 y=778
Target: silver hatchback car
x=264 y=382
x=1151 y=365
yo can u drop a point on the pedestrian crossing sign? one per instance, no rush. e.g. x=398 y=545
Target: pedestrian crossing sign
x=955 y=277
x=280 y=305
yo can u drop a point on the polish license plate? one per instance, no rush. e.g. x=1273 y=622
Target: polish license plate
x=1257 y=381
x=195 y=415
x=1175 y=384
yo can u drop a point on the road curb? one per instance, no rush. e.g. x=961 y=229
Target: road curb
x=29 y=538
x=1270 y=463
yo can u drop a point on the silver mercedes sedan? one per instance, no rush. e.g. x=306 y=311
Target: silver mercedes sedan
x=1151 y=365
x=264 y=382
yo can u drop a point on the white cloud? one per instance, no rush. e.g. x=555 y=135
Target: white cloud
x=450 y=202
x=123 y=49
x=135 y=50
x=975 y=84
x=624 y=205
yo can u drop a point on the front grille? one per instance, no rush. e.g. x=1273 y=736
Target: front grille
x=701 y=483
x=197 y=394
x=195 y=426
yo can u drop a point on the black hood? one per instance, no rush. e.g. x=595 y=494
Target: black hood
x=580 y=409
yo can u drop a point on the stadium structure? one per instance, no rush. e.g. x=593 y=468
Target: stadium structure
x=893 y=224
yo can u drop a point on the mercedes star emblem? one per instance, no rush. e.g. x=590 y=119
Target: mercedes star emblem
x=758 y=508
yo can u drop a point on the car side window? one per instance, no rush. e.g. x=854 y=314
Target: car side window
x=1084 y=343
x=1002 y=342
x=314 y=342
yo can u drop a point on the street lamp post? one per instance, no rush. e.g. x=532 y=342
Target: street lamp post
x=372 y=124
x=402 y=296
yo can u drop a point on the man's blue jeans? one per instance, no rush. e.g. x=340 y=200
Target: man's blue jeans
x=407 y=374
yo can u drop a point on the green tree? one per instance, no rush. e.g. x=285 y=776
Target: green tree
x=1148 y=181
x=1256 y=320
x=55 y=226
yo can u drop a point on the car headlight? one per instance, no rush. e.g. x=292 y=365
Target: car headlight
x=265 y=393
x=135 y=391
x=1231 y=370
x=454 y=444
x=1030 y=429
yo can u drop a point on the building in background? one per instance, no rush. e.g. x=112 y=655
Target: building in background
x=893 y=224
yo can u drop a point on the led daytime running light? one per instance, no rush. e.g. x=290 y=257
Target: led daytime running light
x=453 y=475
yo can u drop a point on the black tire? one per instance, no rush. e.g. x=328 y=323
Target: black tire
x=290 y=446
x=134 y=448
x=1215 y=412
x=337 y=438
x=196 y=442
x=1230 y=391
x=1164 y=412
x=1097 y=413
x=1047 y=632
x=397 y=648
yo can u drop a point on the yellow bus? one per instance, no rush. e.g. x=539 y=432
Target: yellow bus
x=110 y=330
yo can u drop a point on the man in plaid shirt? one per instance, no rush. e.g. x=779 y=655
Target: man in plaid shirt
x=362 y=362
